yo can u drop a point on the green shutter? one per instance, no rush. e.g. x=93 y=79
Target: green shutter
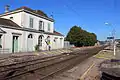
x=48 y=26
x=31 y=22
x=16 y=44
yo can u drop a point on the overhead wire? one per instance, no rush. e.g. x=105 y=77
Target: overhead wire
x=71 y=8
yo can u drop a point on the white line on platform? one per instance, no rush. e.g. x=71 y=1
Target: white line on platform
x=81 y=78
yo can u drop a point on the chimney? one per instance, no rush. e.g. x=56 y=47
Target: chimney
x=7 y=8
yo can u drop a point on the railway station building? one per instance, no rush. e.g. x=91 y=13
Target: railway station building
x=23 y=28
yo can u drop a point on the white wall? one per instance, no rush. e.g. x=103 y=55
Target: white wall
x=17 y=18
x=8 y=38
x=36 y=22
x=35 y=40
x=22 y=19
x=57 y=44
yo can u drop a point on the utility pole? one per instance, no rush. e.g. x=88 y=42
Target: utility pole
x=114 y=43
x=113 y=37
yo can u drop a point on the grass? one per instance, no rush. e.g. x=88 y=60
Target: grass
x=105 y=54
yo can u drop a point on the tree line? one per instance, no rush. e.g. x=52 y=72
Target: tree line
x=80 y=37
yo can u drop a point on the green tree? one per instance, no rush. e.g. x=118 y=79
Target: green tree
x=80 y=37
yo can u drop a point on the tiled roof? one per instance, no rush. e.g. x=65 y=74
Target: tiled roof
x=8 y=22
x=57 y=33
x=34 y=11
x=38 y=13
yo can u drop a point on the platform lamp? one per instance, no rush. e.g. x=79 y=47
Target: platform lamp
x=113 y=37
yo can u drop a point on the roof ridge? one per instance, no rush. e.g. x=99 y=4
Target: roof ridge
x=37 y=11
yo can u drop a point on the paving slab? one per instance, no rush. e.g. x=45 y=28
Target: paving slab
x=76 y=72
x=86 y=70
x=42 y=53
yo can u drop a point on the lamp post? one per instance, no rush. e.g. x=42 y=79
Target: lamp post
x=113 y=37
x=114 y=43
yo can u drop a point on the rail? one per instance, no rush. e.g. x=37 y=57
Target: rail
x=17 y=69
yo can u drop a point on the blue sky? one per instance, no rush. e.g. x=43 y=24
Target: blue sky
x=88 y=14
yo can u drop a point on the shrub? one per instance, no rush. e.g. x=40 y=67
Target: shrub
x=37 y=48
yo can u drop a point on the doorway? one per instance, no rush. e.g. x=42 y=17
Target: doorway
x=40 y=40
x=15 y=44
x=30 y=43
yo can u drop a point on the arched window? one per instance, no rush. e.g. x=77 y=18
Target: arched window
x=55 y=39
x=30 y=42
x=30 y=36
x=40 y=40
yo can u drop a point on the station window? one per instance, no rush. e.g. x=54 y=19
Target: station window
x=48 y=26
x=40 y=40
x=31 y=22
x=41 y=25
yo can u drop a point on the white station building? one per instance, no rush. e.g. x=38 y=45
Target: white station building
x=23 y=28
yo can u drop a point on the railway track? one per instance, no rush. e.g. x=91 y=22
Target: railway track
x=23 y=58
x=26 y=65
x=44 y=67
